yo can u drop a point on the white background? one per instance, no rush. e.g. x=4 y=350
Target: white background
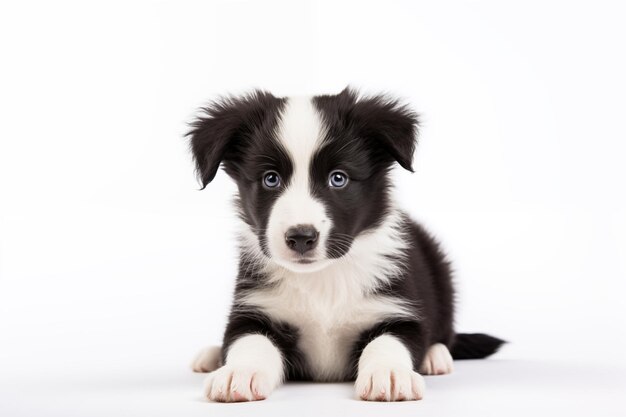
x=115 y=270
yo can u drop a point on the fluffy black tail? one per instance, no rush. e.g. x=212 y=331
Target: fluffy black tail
x=474 y=345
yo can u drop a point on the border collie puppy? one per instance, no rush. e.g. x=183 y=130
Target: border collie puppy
x=335 y=282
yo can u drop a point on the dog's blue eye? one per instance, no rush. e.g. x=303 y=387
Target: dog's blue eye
x=271 y=179
x=338 y=179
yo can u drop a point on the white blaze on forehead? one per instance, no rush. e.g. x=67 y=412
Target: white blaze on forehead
x=300 y=132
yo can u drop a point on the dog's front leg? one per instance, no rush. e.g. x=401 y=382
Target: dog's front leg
x=252 y=370
x=385 y=372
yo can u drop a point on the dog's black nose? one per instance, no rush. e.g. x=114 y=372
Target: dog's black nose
x=301 y=238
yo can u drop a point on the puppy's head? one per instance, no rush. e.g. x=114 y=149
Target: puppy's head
x=312 y=172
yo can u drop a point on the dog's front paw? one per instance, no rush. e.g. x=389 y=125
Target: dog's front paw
x=389 y=384
x=231 y=384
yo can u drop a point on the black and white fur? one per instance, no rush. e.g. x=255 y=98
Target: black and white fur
x=370 y=298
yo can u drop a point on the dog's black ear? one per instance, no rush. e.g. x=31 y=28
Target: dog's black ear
x=222 y=129
x=389 y=123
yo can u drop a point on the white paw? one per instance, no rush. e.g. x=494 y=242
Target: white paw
x=437 y=361
x=207 y=360
x=230 y=384
x=389 y=384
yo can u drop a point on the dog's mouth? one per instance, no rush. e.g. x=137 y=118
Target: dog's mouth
x=303 y=264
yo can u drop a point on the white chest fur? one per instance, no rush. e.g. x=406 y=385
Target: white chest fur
x=328 y=314
x=331 y=307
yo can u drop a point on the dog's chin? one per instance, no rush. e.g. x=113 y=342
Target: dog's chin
x=303 y=266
